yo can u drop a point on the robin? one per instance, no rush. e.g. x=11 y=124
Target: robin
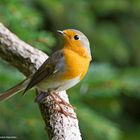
x=61 y=71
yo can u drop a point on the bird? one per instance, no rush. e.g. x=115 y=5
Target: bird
x=62 y=70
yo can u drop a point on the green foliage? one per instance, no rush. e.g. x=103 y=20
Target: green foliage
x=26 y=21
x=108 y=99
x=99 y=128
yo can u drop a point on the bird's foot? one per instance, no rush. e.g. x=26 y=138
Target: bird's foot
x=62 y=105
x=62 y=101
x=59 y=102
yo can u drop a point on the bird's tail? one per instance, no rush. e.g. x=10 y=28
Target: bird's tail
x=14 y=90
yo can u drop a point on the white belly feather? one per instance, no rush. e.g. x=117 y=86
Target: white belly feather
x=58 y=85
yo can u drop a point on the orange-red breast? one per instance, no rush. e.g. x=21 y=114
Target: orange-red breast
x=62 y=70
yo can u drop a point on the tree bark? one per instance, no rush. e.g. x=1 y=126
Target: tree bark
x=27 y=60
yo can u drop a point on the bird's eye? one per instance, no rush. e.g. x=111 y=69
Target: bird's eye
x=76 y=37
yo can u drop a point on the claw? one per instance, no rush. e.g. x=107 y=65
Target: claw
x=66 y=113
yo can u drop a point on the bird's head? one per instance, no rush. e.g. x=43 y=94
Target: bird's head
x=76 y=41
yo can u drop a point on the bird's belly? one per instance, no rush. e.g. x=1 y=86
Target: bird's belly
x=68 y=83
x=58 y=85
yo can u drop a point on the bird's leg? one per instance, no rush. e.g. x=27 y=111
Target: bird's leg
x=61 y=109
x=62 y=101
x=41 y=96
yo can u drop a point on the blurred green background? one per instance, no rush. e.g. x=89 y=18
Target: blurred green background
x=108 y=99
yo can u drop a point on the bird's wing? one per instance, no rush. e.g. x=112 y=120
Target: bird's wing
x=51 y=66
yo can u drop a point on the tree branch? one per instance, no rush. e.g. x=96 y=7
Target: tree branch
x=27 y=60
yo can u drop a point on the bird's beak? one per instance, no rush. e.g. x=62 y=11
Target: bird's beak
x=60 y=32
x=63 y=34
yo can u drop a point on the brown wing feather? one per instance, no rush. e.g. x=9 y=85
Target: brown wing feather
x=51 y=65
